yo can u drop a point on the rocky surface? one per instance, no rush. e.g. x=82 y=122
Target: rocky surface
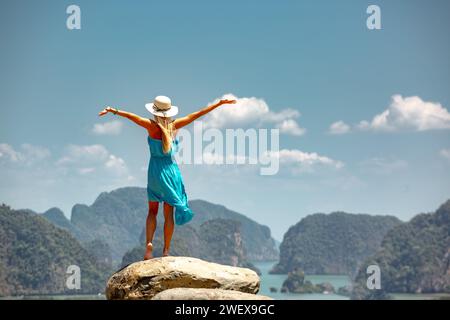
x=206 y=294
x=297 y=283
x=145 y=279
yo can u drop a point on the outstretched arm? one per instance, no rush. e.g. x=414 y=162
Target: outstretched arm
x=143 y=122
x=184 y=121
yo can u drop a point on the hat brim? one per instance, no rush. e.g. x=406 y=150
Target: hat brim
x=165 y=114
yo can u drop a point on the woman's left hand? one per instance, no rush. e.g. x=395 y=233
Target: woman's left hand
x=226 y=101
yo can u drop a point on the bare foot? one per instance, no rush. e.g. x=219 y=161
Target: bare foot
x=166 y=253
x=148 y=253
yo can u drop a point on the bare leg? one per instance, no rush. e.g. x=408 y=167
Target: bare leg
x=168 y=227
x=150 y=228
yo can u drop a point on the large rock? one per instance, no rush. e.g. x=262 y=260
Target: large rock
x=206 y=294
x=144 y=279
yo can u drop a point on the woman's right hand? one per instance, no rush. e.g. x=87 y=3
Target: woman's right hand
x=106 y=110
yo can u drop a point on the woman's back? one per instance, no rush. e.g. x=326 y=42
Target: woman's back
x=156 y=149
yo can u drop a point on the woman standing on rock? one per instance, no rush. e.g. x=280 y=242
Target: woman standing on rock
x=164 y=180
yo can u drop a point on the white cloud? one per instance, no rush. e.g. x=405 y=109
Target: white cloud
x=291 y=127
x=445 y=153
x=292 y=160
x=252 y=112
x=89 y=159
x=298 y=162
x=295 y=156
x=8 y=153
x=116 y=165
x=218 y=158
x=76 y=154
x=339 y=127
x=245 y=112
x=409 y=113
x=32 y=177
x=27 y=154
x=112 y=128
x=281 y=115
x=35 y=153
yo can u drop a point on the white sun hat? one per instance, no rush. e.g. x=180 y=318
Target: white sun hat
x=162 y=107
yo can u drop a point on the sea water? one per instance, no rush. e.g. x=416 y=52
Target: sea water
x=276 y=281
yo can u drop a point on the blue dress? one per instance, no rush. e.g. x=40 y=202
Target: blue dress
x=164 y=180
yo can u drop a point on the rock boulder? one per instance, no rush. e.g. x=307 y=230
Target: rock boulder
x=145 y=279
x=206 y=294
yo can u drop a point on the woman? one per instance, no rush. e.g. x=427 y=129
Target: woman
x=164 y=180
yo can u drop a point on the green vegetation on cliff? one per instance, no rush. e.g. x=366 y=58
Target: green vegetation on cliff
x=118 y=217
x=256 y=238
x=335 y=243
x=414 y=257
x=296 y=283
x=35 y=255
x=216 y=240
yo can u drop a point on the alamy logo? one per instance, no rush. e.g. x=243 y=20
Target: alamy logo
x=374 y=280
x=74 y=279
x=237 y=146
x=374 y=20
x=74 y=20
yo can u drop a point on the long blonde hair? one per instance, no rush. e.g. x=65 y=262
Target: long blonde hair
x=166 y=125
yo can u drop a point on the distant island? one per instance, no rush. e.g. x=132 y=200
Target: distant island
x=118 y=219
x=110 y=234
x=35 y=255
x=414 y=257
x=217 y=240
x=335 y=243
x=37 y=248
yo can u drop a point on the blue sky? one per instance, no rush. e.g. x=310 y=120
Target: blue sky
x=315 y=57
